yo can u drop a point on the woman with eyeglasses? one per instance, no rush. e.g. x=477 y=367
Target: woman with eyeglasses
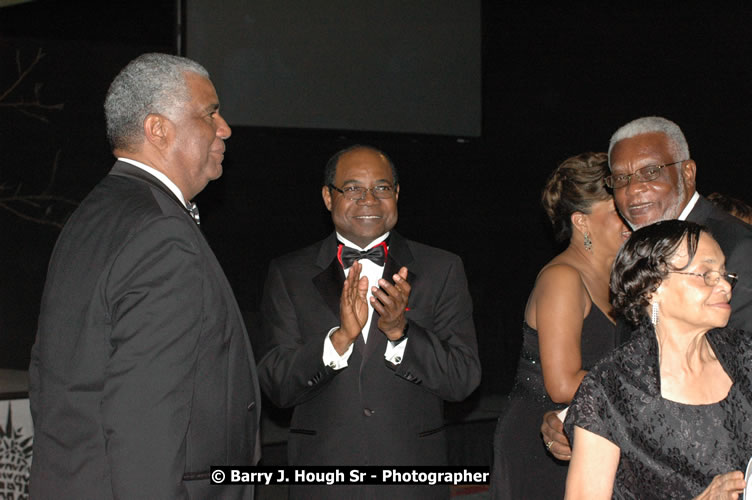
x=567 y=326
x=668 y=414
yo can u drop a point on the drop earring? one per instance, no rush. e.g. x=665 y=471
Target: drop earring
x=654 y=315
x=588 y=243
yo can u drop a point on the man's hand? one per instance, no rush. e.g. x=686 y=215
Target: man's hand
x=353 y=309
x=390 y=302
x=553 y=435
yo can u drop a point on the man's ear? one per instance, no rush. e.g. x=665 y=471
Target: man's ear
x=157 y=130
x=689 y=174
x=326 y=194
x=580 y=222
x=396 y=192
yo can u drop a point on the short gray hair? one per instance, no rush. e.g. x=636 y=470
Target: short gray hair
x=650 y=124
x=151 y=83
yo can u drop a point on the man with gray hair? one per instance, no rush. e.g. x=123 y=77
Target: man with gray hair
x=142 y=375
x=653 y=179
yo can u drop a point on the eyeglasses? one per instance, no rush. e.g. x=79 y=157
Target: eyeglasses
x=356 y=193
x=644 y=174
x=713 y=277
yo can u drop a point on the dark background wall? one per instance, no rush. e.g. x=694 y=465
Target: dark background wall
x=556 y=81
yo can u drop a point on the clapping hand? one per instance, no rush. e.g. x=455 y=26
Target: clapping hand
x=390 y=301
x=353 y=309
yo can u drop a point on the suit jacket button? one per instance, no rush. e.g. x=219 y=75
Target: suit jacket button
x=368 y=412
x=310 y=383
x=251 y=405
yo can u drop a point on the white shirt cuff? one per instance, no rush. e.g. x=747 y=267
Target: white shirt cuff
x=394 y=354
x=331 y=357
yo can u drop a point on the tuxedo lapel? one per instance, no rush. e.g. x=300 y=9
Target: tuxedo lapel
x=330 y=280
x=702 y=210
x=399 y=256
x=329 y=284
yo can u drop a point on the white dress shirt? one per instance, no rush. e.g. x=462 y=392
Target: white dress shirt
x=690 y=206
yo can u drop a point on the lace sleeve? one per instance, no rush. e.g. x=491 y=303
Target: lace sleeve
x=593 y=407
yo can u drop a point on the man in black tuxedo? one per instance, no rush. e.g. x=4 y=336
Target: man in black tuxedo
x=653 y=178
x=142 y=375
x=366 y=334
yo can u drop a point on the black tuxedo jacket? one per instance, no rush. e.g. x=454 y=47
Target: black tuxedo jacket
x=735 y=239
x=142 y=375
x=371 y=412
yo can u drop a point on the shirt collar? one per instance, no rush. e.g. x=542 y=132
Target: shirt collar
x=350 y=244
x=690 y=206
x=159 y=175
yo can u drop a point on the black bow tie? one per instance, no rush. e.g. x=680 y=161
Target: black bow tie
x=348 y=255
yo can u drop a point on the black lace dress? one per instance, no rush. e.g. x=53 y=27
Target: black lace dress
x=523 y=468
x=668 y=449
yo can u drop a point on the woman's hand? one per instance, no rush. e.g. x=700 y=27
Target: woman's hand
x=726 y=486
x=556 y=441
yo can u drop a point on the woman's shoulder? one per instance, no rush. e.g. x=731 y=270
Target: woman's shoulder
x=632 y=365
x=559 y=290
x=559 y=273
x=601 y=396
x=620 y=384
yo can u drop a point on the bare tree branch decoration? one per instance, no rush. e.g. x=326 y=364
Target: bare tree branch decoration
x=33 y=107
x=43 y=207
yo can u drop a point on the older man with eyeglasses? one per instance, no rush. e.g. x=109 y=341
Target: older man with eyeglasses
x=653 y=179
x=366 y=334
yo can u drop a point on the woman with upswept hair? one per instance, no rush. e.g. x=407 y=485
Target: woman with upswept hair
x=567 y=326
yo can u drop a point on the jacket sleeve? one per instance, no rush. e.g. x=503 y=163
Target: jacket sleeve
x=154 y=299
x=291 y=369
x=442 y=353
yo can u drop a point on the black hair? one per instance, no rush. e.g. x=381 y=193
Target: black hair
x=330 y=170
x=644 y=261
